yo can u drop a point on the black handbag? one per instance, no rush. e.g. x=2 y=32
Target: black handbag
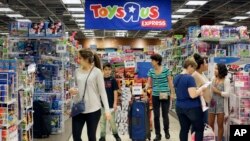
x=79 y=107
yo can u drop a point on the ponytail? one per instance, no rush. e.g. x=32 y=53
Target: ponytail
x=97 y=61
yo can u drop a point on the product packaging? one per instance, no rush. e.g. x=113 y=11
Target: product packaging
x=19 y=29
x=37 y=29
x=54 y=29
x=243 y=32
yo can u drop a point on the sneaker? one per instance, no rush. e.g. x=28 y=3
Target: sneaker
x=157 y=138
x=102 y=139
x=117 y=138
x=167 y=135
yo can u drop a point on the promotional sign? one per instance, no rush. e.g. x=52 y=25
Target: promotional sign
x=128 y=15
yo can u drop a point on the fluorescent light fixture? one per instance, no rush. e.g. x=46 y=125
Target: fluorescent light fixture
x=5 y=9
x=80 y=20
x=151 y=33
x=71 y=1
x=227 y=22
x=82 y=28
x=174 y=21
x=88 y=31
x=240 y=18
x=195 y=2
x=122 y=31
x=155 y=31
x=185 y=10
x=78 y=15
x=248 y=12
x=178 y=16
x=76 y=9
x=23 y=20
x=4 y=33
x=14 y=15
x=81 y=24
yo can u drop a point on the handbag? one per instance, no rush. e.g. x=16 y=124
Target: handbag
x=79 y=107
x=163 y=96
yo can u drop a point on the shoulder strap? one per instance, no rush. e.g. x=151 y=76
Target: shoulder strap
x=85 y=87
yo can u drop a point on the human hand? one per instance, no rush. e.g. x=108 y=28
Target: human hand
x=108 y=115
x=73 y=91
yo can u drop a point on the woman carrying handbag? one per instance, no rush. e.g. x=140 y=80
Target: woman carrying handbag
x=89 y=93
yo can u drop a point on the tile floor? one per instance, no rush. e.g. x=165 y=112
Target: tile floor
x=174 y=132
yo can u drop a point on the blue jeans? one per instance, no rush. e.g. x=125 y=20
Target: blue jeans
x=188 y=117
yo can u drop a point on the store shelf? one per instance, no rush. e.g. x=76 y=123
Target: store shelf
x=28 y=127
x=9 y=102
x=242 y=97
x=55 y=111
x=28 y=107
x=40 y=93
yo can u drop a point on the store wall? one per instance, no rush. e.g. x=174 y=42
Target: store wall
x=115 y=42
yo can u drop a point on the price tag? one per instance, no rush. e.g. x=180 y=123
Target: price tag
x=239 y=84
x=61 y=48
x=129 y=64
x=137 y=90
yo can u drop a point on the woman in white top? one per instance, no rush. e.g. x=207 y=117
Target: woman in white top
x=218 y=106
x=201 y=79
x=94 y=94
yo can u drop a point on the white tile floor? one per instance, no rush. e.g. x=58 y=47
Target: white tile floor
x=174 y=132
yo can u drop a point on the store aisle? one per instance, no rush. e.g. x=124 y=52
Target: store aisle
x=174 y=132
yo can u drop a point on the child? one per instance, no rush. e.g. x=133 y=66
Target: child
x=111 y=89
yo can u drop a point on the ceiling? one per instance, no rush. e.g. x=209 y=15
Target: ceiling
x=37 y=10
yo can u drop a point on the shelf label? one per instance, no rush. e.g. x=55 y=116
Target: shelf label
x=61 y=48
x=137 y=90
x=129 y=64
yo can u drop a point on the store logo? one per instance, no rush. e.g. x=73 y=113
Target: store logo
x=239 y=132
x=130 y=12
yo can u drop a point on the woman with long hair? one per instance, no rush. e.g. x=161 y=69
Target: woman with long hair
x=89 y=73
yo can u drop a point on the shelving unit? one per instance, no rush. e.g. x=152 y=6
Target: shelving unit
x=240 y=100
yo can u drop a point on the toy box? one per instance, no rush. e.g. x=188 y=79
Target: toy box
x=194 y=32
x=37 y=29
x=54 y=29
x=20 y=29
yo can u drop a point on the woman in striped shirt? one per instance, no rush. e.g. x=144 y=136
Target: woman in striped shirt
x=162 y=85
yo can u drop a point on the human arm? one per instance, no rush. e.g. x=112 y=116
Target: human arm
x=171 y=85
x=192 y=90
x=226 y=91
x=115 y=87
x=74 y=90
x=102 y=92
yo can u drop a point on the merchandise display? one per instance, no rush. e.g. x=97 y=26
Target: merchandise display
x=39 y=56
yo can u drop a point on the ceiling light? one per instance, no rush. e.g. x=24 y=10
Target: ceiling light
x=155 y=31
x=78 y=15
x=185 y=10
x=4 y=33
x=5 y=10
x=23 y=20
x=14 y=15
x=81 y=24
x=123 y=31
x=227 y=22
x=88 y=31
x=193 y=2
x=240 y=18
x=82 y=28
x=178 y=16
x=71 y=1
x=76 y=9
x=248 y=12
x=80 y=20
x=152 y=33
x=174 y=21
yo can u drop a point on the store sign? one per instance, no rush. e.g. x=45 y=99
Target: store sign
x=128 y=15
x=61 y=48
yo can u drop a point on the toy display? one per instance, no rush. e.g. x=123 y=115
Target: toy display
x=243 y=32
x=37 y=29
x=54 y=29
x=20 y=29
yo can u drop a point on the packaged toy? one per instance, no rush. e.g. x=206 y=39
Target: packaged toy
x=37 y=29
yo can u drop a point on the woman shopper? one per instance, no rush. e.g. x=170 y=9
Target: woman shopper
x=89 y=72
x=219 y=103
x=188 y=104
x=201 y=79
x=161 y=81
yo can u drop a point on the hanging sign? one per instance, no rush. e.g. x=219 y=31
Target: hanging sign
x=129 y=64
x=128 y=14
